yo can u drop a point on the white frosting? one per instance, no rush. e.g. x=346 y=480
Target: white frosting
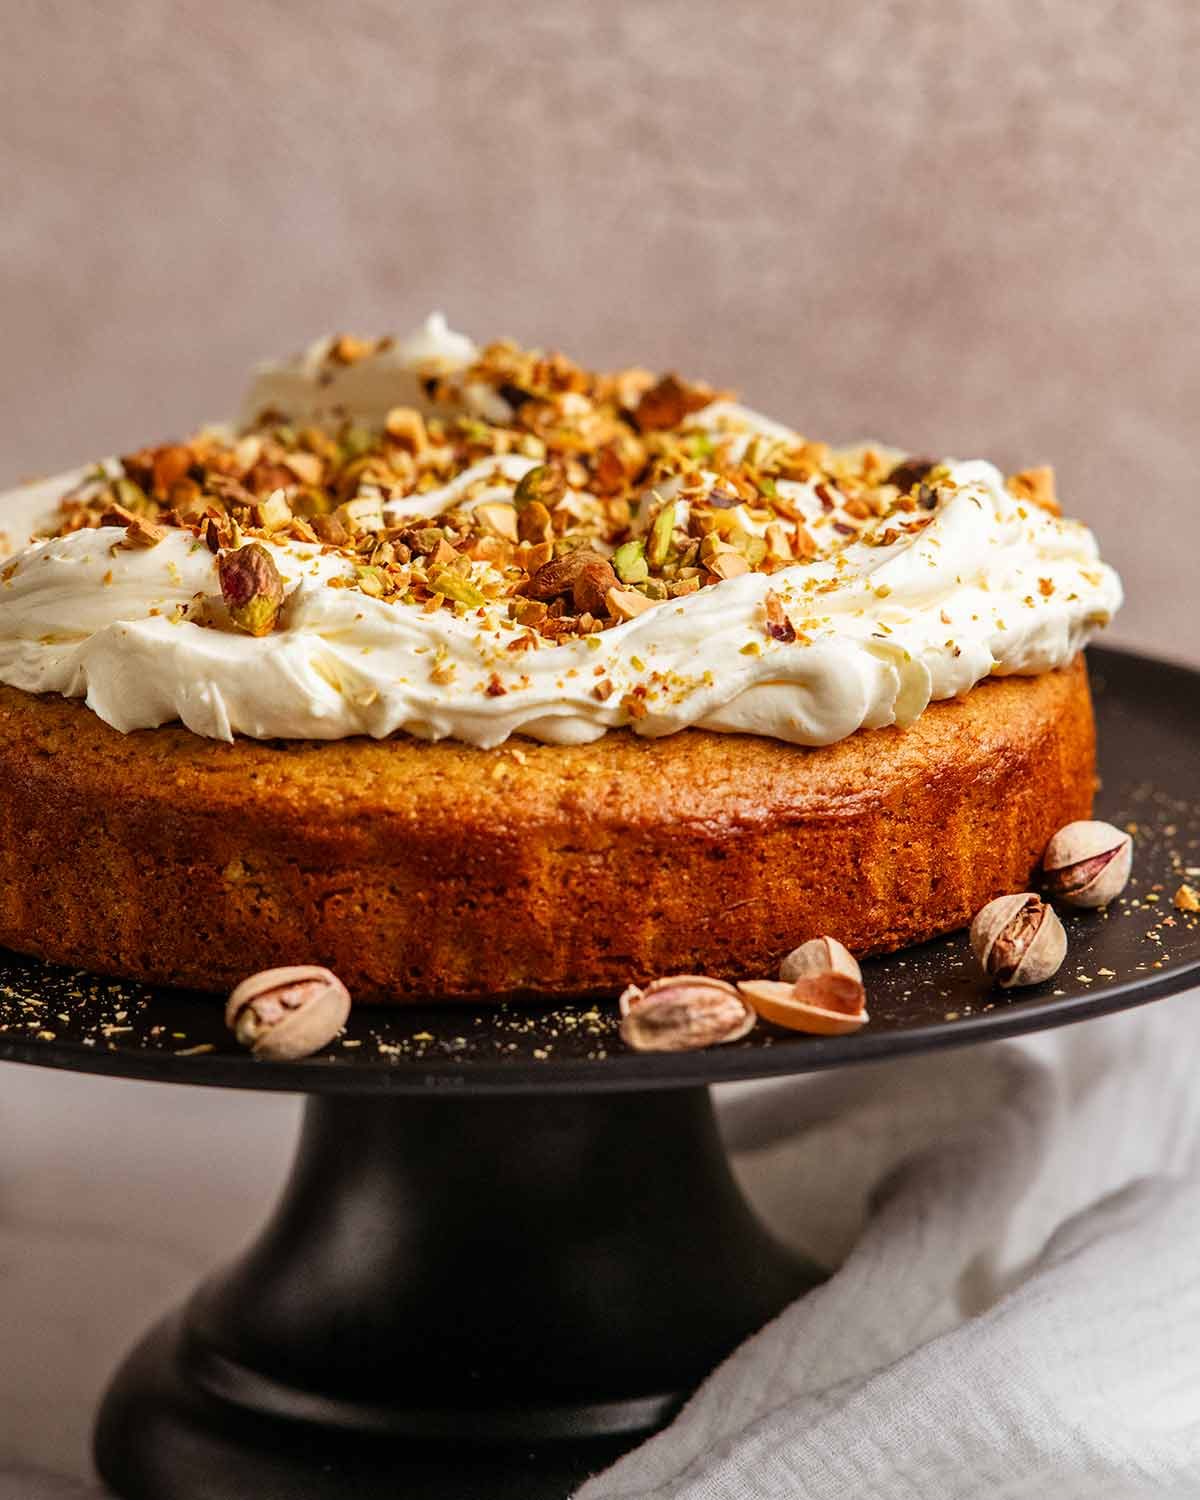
x=309 y=389
x=990 y=586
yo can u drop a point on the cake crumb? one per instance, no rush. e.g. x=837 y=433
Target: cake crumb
x=1187 y=898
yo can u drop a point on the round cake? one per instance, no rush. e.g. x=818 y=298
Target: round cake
x=419 y=870
x=470 y=673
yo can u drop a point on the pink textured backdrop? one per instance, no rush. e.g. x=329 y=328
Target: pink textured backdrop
x=970 y=228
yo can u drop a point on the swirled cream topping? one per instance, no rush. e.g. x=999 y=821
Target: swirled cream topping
x=734 y=577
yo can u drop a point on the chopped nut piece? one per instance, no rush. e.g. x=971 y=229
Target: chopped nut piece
x=779 y=543
x=171 y=464
x=265 y=477
x=629 y=562
x=455 y=586
x=803 y=544
x=547 y=484
x=330 y=530
x=407 y=426
x=348 y=349
x=779 y=627
x=667 y=403
x=661 y=532
x=608 y=472
x=729 y=565
x=1187 y=898
x=117 y=515
x=627 y=604
x=424 y=540
x=1036 y=485
x=140 y=534
x=361 y=515
x=592 y=586
x=528 y=611
x=370 y=580
x=274 y=512
x=910 y=472
x=558 y=577
x=498 y=517
x=534 y=523
x=252 y=588
x=307 y=467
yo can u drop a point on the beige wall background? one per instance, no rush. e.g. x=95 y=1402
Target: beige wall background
x=967 y=228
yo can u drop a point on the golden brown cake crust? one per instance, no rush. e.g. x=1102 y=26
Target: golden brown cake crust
x=432 y=871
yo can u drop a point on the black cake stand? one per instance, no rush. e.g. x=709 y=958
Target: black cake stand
x=510 y=1248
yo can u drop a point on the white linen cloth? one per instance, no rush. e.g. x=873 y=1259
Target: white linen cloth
x=1016 y=1311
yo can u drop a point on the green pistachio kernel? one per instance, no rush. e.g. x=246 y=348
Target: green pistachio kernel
x=660 y=535
x=370 y=580
x=131 y=495
x=547 y=483
x=252 y=588
x=475 y=431
x=354 y=443
x=629 y=562
x=455 y=587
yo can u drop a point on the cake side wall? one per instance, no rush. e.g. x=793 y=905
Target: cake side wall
x=572 y=871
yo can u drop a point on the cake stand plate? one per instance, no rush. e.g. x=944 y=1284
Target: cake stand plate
x=510 y=1248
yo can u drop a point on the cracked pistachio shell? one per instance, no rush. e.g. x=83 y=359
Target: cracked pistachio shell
x=289 y=1012
x=683 y=1012
x=829 y=1005
x=1088 y=863
x=821 y=955
x=1018 y=940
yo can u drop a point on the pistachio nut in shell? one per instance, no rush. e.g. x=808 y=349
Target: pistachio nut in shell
x=1018 y=940
x=289 y=1012
x=1088 y=863
x=796 y=1007
x=820 y=955
x=683 y=1012
x=251 y=588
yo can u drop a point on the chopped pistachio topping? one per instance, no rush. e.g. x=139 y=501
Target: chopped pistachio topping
x=629 y=561
x=455 y=587
x=657 y=502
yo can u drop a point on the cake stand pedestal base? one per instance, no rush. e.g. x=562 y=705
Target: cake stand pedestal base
x=457 y=1296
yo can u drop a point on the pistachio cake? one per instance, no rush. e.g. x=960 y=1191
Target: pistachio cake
x=471 y=672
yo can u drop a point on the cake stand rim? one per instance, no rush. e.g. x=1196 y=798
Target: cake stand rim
x=628 y=1072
